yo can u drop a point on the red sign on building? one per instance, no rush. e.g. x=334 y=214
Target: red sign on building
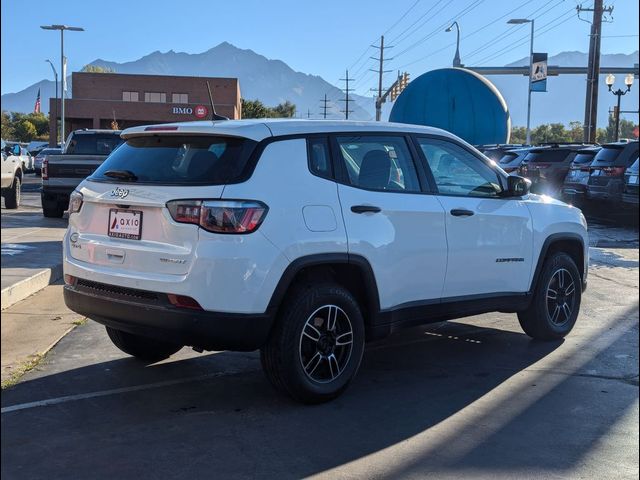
x=200 y=111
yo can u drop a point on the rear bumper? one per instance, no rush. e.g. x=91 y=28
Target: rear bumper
x=611 y=191
x=156 y=318
x=631 y=198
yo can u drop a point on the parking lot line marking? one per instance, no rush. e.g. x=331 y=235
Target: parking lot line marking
x=114 y=391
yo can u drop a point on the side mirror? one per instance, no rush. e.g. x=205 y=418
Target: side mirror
x=16 y=150
x=518 y=186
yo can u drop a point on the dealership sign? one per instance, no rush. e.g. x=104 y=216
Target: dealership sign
x=199 y=111
x=539 y=72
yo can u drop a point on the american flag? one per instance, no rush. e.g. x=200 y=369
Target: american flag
x=36 y=107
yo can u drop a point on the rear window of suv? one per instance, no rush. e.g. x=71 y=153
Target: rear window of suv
x=92 y=144
x=583 y=158
x=549 y=156
x=608 y=155
x=177 y=160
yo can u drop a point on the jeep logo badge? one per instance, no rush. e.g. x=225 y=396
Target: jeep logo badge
x=119 y=192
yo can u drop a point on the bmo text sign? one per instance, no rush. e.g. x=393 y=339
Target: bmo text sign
x=199 y=111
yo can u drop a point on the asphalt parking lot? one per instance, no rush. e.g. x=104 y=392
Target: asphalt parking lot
x=474 y=398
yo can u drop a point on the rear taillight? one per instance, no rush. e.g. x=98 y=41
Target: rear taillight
x=220 y=216
x=75 y=202
x=613 y=171
x=45 y=169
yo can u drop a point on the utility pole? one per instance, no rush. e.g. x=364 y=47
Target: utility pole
x=324 y=106
x=593 y=69
x=380 y=72
x=346 y=110
x=308 y=113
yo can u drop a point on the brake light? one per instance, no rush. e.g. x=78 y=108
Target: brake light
x=220 y=216
x=160 y=129
x=182 y=301
x=45 y=169
x=69 y=279
x=613 y=171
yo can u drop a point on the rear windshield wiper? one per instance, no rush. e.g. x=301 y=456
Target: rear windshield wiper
x=125 y=175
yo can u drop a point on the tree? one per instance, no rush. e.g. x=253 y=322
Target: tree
x=518 y=135
x=97 y=69
x=7 y=126
x=25 y=131
x=257 y=109
x=576 y=131
x=254 y=109
x=284 y=110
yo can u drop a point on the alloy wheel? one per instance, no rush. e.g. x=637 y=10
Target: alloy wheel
x=561 y=297
x=326 y=343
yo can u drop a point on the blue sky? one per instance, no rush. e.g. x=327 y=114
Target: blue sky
x=316 y=37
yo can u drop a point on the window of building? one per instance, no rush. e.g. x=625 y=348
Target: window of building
x=155 y=97
x=180 y=98
x=129 y=96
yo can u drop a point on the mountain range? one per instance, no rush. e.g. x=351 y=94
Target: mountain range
x=273 y=81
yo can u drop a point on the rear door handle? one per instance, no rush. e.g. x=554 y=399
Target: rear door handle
x=365 y=209
x=461 y=212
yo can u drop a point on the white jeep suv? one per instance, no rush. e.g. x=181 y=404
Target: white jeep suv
x=303 y=239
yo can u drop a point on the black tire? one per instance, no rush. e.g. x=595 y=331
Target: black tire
x=556 y=300
x=143 y=348
x=53 y=212
x=12 y=196
x=288 y=347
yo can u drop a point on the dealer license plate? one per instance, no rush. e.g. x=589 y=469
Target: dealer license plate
x=125 y=224
x=633 y=179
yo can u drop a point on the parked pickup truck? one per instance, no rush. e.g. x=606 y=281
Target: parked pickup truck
x=83 y=152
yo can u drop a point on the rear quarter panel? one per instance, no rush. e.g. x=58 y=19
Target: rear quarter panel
x=304 y=215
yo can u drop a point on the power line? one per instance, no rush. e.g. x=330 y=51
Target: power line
x=402 y=37
x=525 y=39
x=513 y=29
x=487 y=25
x=402 y=17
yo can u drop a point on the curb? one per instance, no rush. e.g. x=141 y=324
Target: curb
x=27 y=287
x=39 y=355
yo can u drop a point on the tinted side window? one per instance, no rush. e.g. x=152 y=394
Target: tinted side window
x=319 y=157
x=378 y=163
x=458 y=172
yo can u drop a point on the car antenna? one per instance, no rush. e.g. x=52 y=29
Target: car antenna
x=214 y=115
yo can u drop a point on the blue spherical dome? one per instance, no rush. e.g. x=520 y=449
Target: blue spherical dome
x=457 y=100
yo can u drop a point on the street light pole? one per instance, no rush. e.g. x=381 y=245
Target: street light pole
x=520 y=21
x=55 y=116
x=628 y=81
x=456 y=58
x=62 y=28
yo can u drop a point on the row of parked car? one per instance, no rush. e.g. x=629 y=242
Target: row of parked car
x=576 y=172
x=30 y=160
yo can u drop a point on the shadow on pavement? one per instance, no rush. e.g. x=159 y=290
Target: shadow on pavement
x=235 y=426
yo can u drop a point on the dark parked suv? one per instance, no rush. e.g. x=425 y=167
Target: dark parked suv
x=574 y=189
x=512 y=160
x=495 y=152
x=630 y=192
x=547 y=166
x=606 y=174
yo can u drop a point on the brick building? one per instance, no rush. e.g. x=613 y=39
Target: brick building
x=99 y=98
